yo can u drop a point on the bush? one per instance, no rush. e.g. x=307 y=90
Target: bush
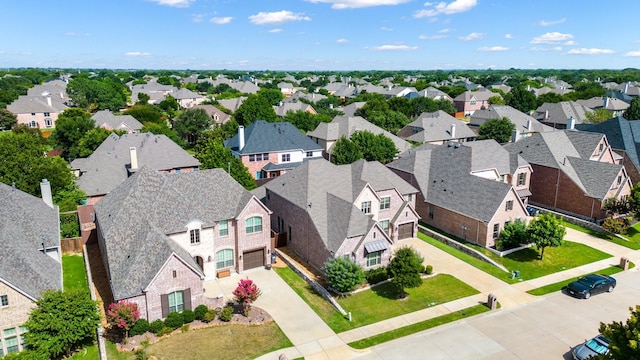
x=615 y=225
x=377 y=275
x=185 y=327
x=343 y=274
x=156 y=326
x=210 y=315
x=428 y=269
x=164 y=331
x=188 y=316
x=140 y=327
x=513 y=234
x=200 y=311
x=174 y=320
x=226 y=313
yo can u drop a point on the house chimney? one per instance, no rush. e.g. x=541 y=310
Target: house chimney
x=240 y=138
x=529 y=124
x=626 y=87
x=546 y=115
x=133 y=154
x=605 y=104
x=453 y=131
x=45 y=190
x=49 y=100
x=514 y=135
x=570 y=123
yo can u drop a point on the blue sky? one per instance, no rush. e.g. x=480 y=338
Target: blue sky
x=320 y=34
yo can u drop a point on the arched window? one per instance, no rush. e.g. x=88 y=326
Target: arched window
x=224 y=258
x=253 y=224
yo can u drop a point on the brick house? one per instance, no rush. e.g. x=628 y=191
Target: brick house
x=356 y=210
x=470 y=190
x=525 y=125
x=574 y=172
x=437 y=128
x=31 y=262
x=470 y=101
x=162 y=235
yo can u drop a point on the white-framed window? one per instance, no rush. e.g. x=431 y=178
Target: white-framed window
x=253 y=224
x=48 y=123
x=309 y=153
x=431 y=211
x=49 y=114
x=384 y=224
x=285 y=158
x=33 y=124
x=366 y=207
x=374 y=258
x=4 y=300
x=176 y=301
x=194 y=234
x=224 y=258
x=472 y=102
x=385 y=203
x=409 y=197
x=619 y=179
x=508 y=205
x=522 y=179
x=223 y=228
x=496 y=230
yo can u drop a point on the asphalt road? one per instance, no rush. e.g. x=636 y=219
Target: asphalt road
x=544 y=329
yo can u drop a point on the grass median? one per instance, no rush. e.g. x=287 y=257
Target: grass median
x=543 y=290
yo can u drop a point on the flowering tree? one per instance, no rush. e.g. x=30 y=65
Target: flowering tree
x=246 y=293
x=123 y=315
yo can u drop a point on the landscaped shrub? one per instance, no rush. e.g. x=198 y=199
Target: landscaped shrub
x=188 y=316
x=513 y=235
x=156 y=326
x=428 y=269
x=377 y=275
x=200 y=311
x=174 y=320
x=185 y=327
x=615 y=225
x=343 y=274
x=226 y=313
x=210 y=315
x=140 y=327
x=164 y=331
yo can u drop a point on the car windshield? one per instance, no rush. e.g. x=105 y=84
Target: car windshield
x=587 y=280
x=597 y=346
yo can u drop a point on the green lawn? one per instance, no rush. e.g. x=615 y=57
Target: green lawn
x=380 y=302
x=73 y=273
x=560 y=285
x=633 y=234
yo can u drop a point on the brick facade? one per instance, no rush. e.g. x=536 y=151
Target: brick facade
x=13 y=315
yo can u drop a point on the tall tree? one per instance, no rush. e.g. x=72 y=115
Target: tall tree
x=305 y=121
x=405 y=268
x=163 y=129
x=633 y=111
x=191 y=123
x=71 y=126
x=546 y=231
x=98 y=94
x=273 y=96
x=7 y=119
x=521 y=99
x=496 y=100
x=624 y=337
x=374 y=147
x=598 y=116
x=550 y=97
x=255 y=108
x=213 y=154
x=91 y=140
x=146 y=113
x=499 y=130
x=345 y=152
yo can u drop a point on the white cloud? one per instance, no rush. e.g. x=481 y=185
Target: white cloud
x=472 y=36
x=136 y=53
x=508 y=36
x=393 y=48
x=542 y=48
x=493 y=48
x=274 y=31
x=592 y=51
x=221 y=20
x=444 y=31
x=551 y=22
x=174 y=3
x=197 y=18
x=457 y=6
x=384 y=28
x=552 y=38
x=633 y=53
x=342 y=41
x=277 y=17
x=353 y=4
x=432 y=37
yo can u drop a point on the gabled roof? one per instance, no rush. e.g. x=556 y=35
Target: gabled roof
x=106 y=117
x=282 y=109
x=136 y=217
x=26 y=222
x=26 y=104
x=488 y=154
x=558 y=113
x=434 y=93
x=521 y=120
x=232 y=104
x=436 y=126
x=185 y=94
x=109 y=165
x=480 y=95
x=263 y=137
x=311 y=97
x=621 y=133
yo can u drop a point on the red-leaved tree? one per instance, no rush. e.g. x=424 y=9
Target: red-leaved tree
x=246 y=293
x=123 y=315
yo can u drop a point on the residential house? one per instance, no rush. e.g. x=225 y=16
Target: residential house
x=232 y=104
x=308 y=97
x=56 y=88
x=562 y=115
x=157 y=92
x=38 y=111
x=437 y=128
x=218 y=116
x=31 y=260
x=574 y=172
x=435 y=94
x=284 y=107
x=350 y=110
x=470 y=101
x=614 y=107
x=286 y=88
x=470 y=190
x=502 y=87
x=269 y=149
x=326 y=134
x=187 y=98
x=107 y=120
x=162 y=235
x=118 y=157
x=328 y=211
x=525 y=124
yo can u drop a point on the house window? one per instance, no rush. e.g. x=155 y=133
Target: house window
x=431 y=211
x=259 y=175
x=410 y=197
x=385 y=203
x=195 y=236
x=366 y=207
x=33 y=124
x=522 y=179
x=286 y=158
x=496 y=230
x=177 y=170
x=48 y=114
x=253 y=224
x=33 y=114
x=12 y=344
x=223 y=228
x=4 y=300
x=252 y=158
x=619 y=179
x=224 y=258
x=416 y=129
x=601 y=148
x=195 y=168
x=472 y=102
x=309 y=153
x=384 y=224
x=374 y=258
x=48 y=123
x=509 y=205
x=176 y=301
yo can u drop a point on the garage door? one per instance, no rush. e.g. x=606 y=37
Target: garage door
x=405 y=231
x=253 y=259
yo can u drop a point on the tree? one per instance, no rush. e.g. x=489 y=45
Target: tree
x=305 y=121
x=163 y=129
x=345 y=151
x=246 y=293
x=91 y=140
x=123 y=315
x=624 y=337
x=143 y=98
x=106 y=93
x=513 y=234
x=499 y=130
x=496 y=100
x=213 y=154
x=633 y=201
x=146 y=113
x=405 y=268
x=374 y=147
x=521 y=99
x=7 y=119
x=633 y=111
x=550 y=97
x=343 y=274
x=191 y=123
x=597 y=116
x=546 y=231
x=71 y=126
x=255 y=108
x=273 y=96
x=389 y=120
x=62 y=322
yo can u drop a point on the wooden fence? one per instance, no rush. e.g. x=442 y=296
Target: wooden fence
x=71 y=245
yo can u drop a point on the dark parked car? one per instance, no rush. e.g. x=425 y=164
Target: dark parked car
x=599 y=345
x=591 y=284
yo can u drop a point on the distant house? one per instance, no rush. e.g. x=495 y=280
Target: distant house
x=162 y=235
x=38 y=111
x=470 y=101
x=328 y=211
x=107 y=120
x=350 y=110
x=562 y=115
x=470 y=190
x=118 y=157
x=187 y=98
x=232 y=104
x=614 y=107
x=326 y=134
x=218 y=116
x=156 y=92
x=269 y=149
x=309 y=97
x=574 y=172
x=284 y=107
x=31 y=259
x=436 y=128
x=286 y=88
x=525 y=124
x=435 y=94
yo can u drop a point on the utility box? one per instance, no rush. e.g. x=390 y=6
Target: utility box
x=492 y=302
x=624 y=264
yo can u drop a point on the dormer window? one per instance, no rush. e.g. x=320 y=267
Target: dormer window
x=366 y=207
x=194 y=234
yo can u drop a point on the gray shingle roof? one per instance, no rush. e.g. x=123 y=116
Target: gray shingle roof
x=37 y=104
x=25 y=223
x=558 y=113
x=106 y=117
x=621 y=133
x=436 y=126
x=518 y=118
x=263 y=137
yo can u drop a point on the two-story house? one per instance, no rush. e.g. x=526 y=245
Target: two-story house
x=470 y=101
x=525 y=125
x=436 y=128
x=162 y=235
x=38 y=111
x=107 y=120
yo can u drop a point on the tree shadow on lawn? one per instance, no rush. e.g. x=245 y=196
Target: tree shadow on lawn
x=524 y=255
x=387 y=291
